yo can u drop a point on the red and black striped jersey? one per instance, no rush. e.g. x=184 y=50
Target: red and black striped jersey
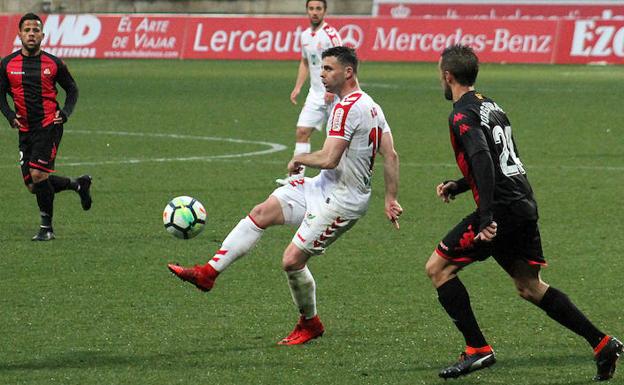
x=479 y=126
x=31 y=82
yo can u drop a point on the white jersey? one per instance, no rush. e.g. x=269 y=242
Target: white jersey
x=360 y=121
x=313 y=43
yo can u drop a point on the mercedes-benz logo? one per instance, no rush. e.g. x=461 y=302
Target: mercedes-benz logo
x=352 y=35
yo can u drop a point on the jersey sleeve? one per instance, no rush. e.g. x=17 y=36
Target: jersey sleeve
x=383 y=123
x=4 y=90
x=344 y=121
x=68 y=83
x=467 y=128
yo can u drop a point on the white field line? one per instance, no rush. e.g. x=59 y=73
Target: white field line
x=273 y=147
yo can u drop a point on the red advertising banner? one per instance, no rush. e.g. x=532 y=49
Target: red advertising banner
x=592 y=41
x=274 y=38
x=483 y=10
x=110 y=36
x=278 y=38
x=389 y=39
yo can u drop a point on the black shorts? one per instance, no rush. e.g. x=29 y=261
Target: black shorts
x=38 y=149
x=516 y=238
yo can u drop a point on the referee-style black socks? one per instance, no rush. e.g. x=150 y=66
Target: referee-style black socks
x=455 y=299
x=45 y=200
x=559 y=307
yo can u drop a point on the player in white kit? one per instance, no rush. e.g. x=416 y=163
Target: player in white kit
x=323 y=207
x=314 y=40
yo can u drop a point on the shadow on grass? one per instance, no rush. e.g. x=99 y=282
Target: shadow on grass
x=85 y=359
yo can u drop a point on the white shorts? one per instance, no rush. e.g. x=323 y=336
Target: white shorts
x=305 y=205
x=314 y=113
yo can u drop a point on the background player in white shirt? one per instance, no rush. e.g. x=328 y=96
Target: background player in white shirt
x=314 y=40
x=323 y=207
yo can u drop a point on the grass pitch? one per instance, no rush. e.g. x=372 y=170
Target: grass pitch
x=98 y=306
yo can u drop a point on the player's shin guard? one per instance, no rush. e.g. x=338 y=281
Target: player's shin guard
x=45 y=200
x=303 y=291
x=239 y=242
x=559 y=307
x=455 y=299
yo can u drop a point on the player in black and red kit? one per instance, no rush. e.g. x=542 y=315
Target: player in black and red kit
x=504 y=224
x=30 y=76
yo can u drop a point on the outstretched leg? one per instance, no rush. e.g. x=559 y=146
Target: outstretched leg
x=560 y=308
x=239 y=242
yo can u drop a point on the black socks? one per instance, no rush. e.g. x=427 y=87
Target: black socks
x=559 y=307
x=454 y=298
x=61 y=183
x=45 y=200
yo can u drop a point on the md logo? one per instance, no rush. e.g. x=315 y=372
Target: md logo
x=69 y=30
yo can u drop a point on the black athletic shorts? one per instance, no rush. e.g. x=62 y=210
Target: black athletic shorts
x=38 y=149
x=516 y=238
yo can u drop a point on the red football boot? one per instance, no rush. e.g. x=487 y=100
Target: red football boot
x=304 y=331
x=203 y=277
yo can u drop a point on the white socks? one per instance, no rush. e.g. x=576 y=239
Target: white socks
x=302 y=148
x=303 y=290
x=239 y=241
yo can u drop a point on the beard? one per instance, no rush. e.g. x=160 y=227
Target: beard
x=31 y=48
x=448 y=92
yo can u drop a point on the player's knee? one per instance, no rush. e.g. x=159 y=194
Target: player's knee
x=435 y=271
x=303 y=134
x=528 y=291
x=260 y=215
x=291 y=263
x=38 y=175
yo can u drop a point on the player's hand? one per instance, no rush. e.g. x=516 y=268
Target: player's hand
x=487 y=234
x=58 y=118
x=329 y=97
x=443 y=190
x=294 y=167
x=15 y=123
x=393 y=212
x=293 y=96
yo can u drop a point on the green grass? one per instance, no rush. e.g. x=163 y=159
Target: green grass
x=98 y=306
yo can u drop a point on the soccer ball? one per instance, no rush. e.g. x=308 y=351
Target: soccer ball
x=184 y=217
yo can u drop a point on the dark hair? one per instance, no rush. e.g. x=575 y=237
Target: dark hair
x=29 y=16
x=461 y=62
x=322 y=1
x=345 y=56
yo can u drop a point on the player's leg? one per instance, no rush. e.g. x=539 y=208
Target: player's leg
x=45 y=200
x=560 y=308
x=36 y=182
x=303 y=291
x=456 y=251
x=81 y=185
x=285 y=205
x=317 y=232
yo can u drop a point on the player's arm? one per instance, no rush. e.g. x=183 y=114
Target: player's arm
x=8 y=113
x=326 y=158
x=302 y=75
x=474 y=142
x=68 y=83
x=391 y=178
